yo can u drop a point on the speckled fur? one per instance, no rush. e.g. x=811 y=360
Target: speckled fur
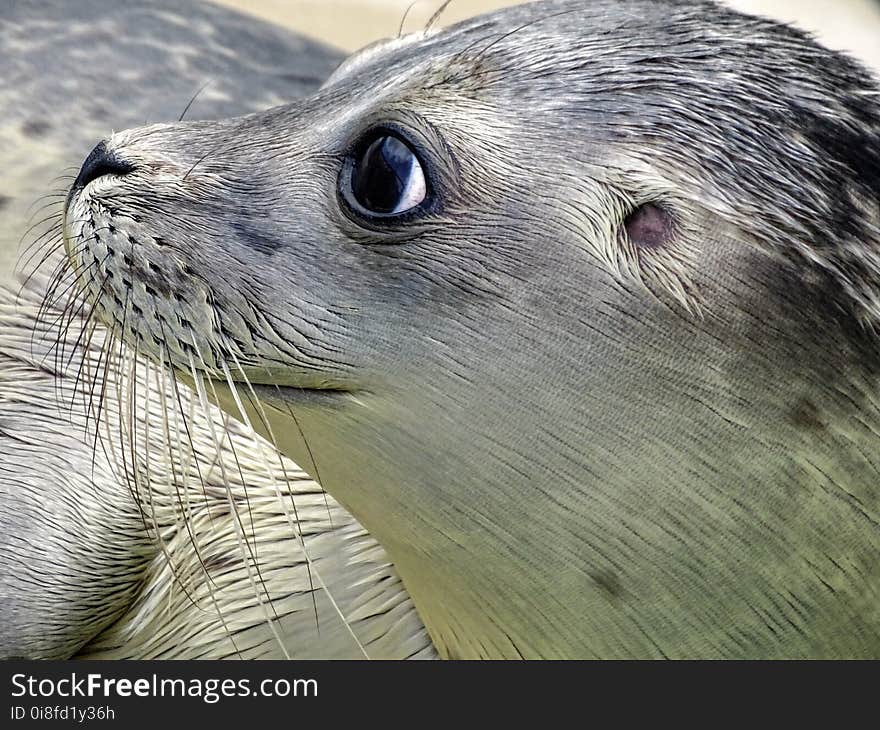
x=88 y=567
x=569 y=445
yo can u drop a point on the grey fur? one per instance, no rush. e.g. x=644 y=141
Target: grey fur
x=569 y=446
x=99 y=564
x=87 y=566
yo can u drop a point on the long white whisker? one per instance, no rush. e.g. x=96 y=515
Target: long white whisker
x=293 y=520
x=243 y=543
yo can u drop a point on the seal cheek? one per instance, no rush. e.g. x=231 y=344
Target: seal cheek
x=649 y=226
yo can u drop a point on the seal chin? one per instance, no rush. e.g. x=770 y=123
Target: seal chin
x=285 y=396
x=298 y=381
x=319 y=395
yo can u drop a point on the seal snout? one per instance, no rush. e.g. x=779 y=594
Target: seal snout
x=101 y=161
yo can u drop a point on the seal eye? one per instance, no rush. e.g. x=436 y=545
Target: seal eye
x=387 y=178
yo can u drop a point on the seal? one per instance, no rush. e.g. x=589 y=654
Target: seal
x=201 y=546
x=573 y=306
x=211 y=550
x=59 y=96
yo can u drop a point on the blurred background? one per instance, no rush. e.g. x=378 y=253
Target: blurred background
x=847 y=25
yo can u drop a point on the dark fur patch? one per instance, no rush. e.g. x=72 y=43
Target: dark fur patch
x=855 y=154
x=256 y=239
x=608 y=582
x=649 y=226
x=805 y=415
x=35 y=128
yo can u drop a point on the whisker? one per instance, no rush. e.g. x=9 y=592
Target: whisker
x=297 y=530
x=244 y=546
x=182 y=499
x=186 y=428
x=194 y=97
x=56 y=217
x=405 y=16
x=436 y=16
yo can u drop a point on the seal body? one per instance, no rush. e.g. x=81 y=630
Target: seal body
x=131 y=531
x=608 y=388
x=135 y=522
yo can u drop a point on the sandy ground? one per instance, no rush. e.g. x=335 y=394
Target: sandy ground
x=849 y=25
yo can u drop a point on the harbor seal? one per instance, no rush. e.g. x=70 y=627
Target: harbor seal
x=96 y=560
x=573 y=306
x=222 y=551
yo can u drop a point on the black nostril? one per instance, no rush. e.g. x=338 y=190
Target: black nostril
x=101 y=161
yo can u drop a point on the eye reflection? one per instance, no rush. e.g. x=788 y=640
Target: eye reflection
x=387 y=178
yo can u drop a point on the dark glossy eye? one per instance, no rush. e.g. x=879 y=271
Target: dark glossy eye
x=387 y=177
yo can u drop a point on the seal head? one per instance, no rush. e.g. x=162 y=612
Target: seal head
x=573 y=307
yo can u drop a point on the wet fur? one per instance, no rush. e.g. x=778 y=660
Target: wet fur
x=119 y=539
x=569 y=446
